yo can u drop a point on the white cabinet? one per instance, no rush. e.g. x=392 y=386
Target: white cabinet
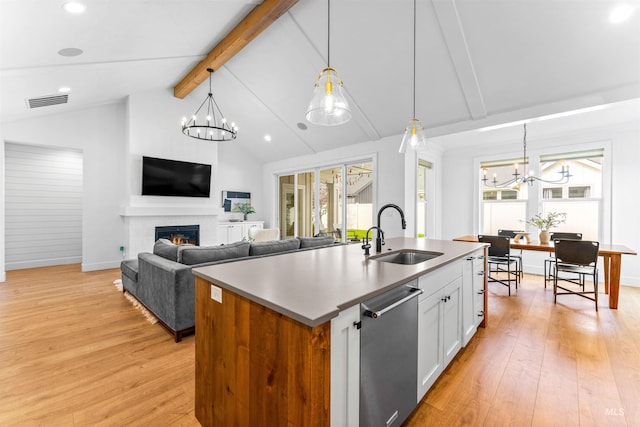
x=439 y=333
x=229 y=232
x=472 y=294
x=345 y=368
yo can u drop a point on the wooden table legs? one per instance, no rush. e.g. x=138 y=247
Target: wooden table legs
x=614 y=278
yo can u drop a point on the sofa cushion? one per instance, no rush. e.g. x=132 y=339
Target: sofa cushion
x=166 y=249
x=312 y=242
x=191 y=255
x=130 y=269
x=274 y=246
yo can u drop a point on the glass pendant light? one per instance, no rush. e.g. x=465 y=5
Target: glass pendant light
x=413 y=137
x=329 y=106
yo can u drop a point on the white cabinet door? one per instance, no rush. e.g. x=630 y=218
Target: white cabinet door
x=439 y=323
x=430 y=339
x=229 y=233
x=345 y=368
x=451 y=299
x=472 y=294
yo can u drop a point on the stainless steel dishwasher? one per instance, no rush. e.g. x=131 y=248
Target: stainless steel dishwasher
x=389 y=356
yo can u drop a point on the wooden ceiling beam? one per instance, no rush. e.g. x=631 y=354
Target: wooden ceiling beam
x=253 y=24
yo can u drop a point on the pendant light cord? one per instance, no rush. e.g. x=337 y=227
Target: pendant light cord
x=414 y=59
x=328 y=33
x=524 y=154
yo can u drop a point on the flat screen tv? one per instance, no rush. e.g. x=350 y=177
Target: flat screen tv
x=162 y=177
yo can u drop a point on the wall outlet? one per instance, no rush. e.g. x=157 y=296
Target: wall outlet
x=216 y=293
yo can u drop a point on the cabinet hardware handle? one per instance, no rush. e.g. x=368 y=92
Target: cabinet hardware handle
x=481 y=291
x=471 y=258
x=481 y=313
x=480 y=273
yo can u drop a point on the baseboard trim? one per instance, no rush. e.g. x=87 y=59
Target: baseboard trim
x=22 y=265
x=93 y=266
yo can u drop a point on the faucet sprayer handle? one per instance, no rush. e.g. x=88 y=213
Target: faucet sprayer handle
x=366 y=247
x=404 y=224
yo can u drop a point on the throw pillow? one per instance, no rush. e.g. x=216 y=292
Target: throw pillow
x=166 y=249
x=274 y=246
x=191 y=255
x=312 y=242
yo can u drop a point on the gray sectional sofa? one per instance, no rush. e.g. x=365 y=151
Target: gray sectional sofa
x=162 y=281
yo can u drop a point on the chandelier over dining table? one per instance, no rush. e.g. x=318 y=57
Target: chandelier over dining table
x=525 y=177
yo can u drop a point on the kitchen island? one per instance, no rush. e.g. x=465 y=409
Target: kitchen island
x=267 y=350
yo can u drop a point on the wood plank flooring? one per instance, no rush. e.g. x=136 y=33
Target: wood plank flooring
x=74 y=352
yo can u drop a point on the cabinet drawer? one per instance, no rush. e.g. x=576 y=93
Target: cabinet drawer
x=432 y=282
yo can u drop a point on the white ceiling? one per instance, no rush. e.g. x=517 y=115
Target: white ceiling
x=479 y=62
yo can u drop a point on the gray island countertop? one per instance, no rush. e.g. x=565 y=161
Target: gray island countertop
x=313 y=286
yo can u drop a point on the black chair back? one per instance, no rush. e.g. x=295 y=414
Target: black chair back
x=578 y=252
x=509 y=233
x=500 y=245
x=561 y=235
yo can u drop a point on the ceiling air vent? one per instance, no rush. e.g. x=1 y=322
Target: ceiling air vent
x=45 y=101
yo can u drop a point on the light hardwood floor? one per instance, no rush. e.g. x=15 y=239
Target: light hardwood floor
x=74 y=352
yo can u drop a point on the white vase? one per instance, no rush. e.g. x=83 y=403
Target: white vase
x=544 y=237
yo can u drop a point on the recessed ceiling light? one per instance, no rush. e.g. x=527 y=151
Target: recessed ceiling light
x=74 y=7
x=64 y=89
x=620 y=13
x=267 y=138
x=70 y=51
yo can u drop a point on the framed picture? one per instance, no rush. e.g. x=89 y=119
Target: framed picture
x=231 y=198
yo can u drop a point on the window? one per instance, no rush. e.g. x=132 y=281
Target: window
x=421 y=201
x=508 y=207
x=579 y=192
x=503 y=206
x=552 y=193
x=581 y=197
x=317 y=205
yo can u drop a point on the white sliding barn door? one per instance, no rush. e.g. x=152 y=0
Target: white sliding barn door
x=43 y=206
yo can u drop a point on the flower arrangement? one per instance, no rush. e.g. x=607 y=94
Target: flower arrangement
x=245 y=208
x=544 y=223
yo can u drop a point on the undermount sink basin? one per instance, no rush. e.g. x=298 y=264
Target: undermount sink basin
x=406 y=257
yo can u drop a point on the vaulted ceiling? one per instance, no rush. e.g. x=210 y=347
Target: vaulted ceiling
x=479 y=62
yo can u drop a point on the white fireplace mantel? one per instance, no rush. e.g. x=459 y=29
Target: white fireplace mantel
x=133 y=211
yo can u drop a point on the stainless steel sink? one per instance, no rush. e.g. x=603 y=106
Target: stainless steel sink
x=406 y=257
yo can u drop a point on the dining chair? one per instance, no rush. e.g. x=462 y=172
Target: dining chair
x=511 y=234
x=576 y=257
x=498 y=255
x=548 y=277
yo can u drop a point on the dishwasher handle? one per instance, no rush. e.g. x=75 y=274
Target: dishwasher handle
x=375 y=314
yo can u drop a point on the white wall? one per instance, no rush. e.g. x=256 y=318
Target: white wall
x=240 y=171
x=621 y=226
x=154 y=130
x=99 y=132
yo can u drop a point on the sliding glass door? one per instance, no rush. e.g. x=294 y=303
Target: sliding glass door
x=312 y=203
x=297 y=205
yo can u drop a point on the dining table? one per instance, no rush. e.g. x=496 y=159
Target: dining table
x=611 y=255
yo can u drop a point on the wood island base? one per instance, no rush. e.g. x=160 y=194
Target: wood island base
x=255 y=366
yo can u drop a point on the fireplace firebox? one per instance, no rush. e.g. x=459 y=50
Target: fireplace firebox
x=180 y=234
